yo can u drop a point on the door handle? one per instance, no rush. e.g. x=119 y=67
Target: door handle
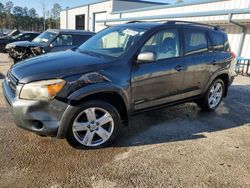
x=179 y=68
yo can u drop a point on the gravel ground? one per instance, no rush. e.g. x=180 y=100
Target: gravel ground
x=179 y=146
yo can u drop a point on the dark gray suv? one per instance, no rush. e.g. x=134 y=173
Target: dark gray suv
x=87 y=94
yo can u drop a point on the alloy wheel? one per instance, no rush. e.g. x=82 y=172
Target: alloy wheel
x=93 y=127
x=215 y=95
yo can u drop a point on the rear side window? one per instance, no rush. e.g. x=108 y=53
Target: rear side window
x=226 y=43
x=217 y=41
x=195 y=42
x=80 y=39
x=34 y=35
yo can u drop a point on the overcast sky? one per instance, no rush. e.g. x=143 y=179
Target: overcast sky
x=37 y=4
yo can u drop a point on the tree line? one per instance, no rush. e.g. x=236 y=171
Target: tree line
x=23 y=18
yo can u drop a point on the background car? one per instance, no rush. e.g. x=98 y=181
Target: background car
x=25 y=36
x=12 y=33
x=52 y=40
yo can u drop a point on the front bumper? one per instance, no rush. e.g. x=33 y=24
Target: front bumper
x=41 y=117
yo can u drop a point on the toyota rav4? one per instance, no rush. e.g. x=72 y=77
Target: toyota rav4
x=85 y=95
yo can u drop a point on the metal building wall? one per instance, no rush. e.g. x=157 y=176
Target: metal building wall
x=67 y=17
x=63 y=19
x=246 y=47
x=97 y=7
x=88 y=11
x=213 y=6
x=234 y=33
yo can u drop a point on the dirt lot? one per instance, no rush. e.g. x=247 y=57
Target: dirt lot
x=177 y=147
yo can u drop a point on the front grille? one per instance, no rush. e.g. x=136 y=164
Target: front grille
x=12 y=81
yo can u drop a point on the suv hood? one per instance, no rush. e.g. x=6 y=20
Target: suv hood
x=57 y=65
x=4 y=39
x=23 y=44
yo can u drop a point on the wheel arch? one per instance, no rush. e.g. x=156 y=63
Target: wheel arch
x=225 y=78
x=113 y=95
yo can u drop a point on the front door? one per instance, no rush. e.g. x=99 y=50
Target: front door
x=158 y=82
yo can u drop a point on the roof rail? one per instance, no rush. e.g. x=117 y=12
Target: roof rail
x=192 y=23
x=134 y=21
x=179 y=22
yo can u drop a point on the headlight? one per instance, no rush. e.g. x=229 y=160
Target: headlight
x=42 y=90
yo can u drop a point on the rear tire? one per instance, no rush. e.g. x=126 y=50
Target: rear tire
x=213 y=96
x=95 y=125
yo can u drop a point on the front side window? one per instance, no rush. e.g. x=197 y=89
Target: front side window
x=63 y=40
x=195 y=42
x=164 y=44
x=112 y=42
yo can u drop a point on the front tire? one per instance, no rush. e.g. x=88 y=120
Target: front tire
x=96 y=124
x=213 y=96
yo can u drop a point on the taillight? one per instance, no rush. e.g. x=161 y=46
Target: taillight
x=233 y=54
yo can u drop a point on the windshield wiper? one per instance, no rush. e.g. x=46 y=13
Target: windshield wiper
x=91 y=53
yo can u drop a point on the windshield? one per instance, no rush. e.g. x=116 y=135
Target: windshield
x=112 y=42
x=16 y=36
x=45 y=38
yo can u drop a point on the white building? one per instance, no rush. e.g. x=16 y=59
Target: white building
x=87 y=15
x=231 y=15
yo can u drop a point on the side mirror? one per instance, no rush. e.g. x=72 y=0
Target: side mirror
x=51 y=45
x=145 y=57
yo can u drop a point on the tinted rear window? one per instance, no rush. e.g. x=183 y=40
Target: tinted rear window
x=80 y=39
x=195 y=42
x=218 y=41
x=226 y=43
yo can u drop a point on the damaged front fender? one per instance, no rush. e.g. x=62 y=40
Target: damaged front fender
x=82 y=81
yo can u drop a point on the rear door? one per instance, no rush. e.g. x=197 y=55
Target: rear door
x=220 y=55
x=158 y=82
x=197 y=62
